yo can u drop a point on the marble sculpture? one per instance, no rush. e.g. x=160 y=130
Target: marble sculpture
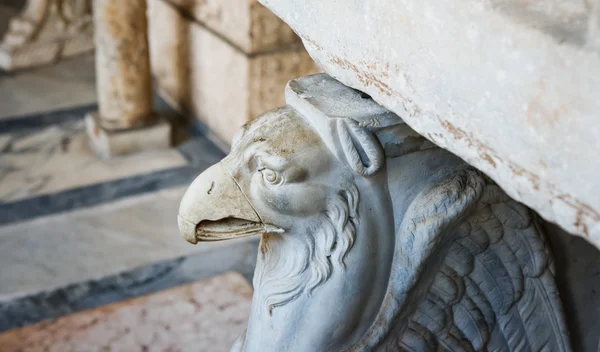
x=372 y=237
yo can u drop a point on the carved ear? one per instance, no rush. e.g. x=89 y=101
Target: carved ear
x=361 y=148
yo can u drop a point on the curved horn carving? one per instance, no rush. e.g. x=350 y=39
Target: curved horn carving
x=361 y=148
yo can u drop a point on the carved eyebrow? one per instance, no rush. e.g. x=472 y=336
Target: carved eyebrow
x=271 y=161
x=257 y=154
x=249 y=156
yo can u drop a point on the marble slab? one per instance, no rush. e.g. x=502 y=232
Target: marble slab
x=58 y=157
x=199 y=72
x=203 y=316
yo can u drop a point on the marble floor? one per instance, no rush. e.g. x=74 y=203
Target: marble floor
x=84 y=240
x=58 y=157
x=54 y=251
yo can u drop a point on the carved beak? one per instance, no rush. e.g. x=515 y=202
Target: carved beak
x=214 y=208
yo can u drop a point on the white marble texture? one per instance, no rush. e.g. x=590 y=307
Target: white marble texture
x=372 y=239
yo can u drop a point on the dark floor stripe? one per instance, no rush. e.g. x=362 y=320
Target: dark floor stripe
x=87 y=196
x=43 y=119
x=199 y=152
x=240 y=257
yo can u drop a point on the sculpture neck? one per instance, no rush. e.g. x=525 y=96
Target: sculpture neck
x=287 y=315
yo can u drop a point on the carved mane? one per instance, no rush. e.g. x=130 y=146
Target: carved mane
x=289 y=265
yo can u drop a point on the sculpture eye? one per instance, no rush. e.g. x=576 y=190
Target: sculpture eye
x=271 y=176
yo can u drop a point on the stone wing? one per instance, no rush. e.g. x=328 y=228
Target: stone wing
x=493 y=287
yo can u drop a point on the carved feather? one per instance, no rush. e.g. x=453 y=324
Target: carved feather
x=493 y=289
x=469 y=319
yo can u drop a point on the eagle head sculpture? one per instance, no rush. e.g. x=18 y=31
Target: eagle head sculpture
x=372 y=238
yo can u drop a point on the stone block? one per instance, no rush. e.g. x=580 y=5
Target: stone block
x=42 y=53
x=201 y=74
x=109 y=143
x=247 y=24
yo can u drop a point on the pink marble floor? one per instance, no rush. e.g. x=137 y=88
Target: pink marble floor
x=203 y=316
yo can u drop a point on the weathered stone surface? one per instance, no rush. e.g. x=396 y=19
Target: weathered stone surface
x=200 y=73
x=126 y=122
x=269 y=73
x=46 y=31
x=510 y=86
x=123 y=73
x=245 y=23
x=204 y=316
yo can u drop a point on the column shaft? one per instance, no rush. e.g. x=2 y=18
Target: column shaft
x=123 y=76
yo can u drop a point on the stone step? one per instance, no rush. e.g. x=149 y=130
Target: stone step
x=202 y=316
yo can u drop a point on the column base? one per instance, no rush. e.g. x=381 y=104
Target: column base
x=108 y=144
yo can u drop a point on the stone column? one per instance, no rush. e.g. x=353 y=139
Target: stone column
x=126 y=121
